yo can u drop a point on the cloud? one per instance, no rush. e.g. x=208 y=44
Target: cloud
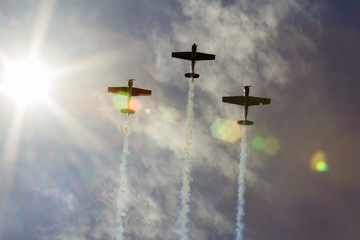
x=245 y=39
x=269 y=45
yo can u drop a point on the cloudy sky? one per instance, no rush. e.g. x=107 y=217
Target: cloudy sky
x=60 y=161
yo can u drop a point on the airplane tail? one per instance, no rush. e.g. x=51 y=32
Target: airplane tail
x=194 y=75
x=245 y=122
x=127 y=111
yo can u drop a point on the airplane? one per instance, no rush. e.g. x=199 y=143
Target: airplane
x=193 y=56
x=129 y=91
x=246 y=101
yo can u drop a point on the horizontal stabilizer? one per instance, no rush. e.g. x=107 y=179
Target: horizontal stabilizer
x=245 y=122
x=194 y=75
x=127 y=111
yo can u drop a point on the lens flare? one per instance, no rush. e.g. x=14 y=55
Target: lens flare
x=269 y=145
x=258 y=143
x=322 y=166
x=318 y=162
x=119 y=101
x=225 y=130
x=135 y=104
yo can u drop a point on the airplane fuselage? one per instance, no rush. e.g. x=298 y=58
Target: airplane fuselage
x=246 y=106
x=193 y=48
x=130 y=84
x=192 y=65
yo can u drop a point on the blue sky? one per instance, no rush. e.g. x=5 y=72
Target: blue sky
x=62 y=181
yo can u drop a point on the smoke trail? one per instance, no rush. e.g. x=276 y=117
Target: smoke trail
x=241 y=186
x=123 y=186
x=186 y=174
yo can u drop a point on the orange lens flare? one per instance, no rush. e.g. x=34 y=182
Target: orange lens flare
x=225 y=130
x=135 y=104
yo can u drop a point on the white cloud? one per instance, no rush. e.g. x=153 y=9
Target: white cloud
x=245 y=38
x=243 y=35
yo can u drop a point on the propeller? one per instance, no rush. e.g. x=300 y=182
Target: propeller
x=130 y=82
x=194 y=46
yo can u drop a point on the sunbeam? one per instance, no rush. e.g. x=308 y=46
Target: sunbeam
x=79 y=134
x=11 y=144
x=98 y=61
x=8 y=159
x=44 y=15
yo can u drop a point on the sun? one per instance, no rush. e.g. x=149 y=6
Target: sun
x=26 y=81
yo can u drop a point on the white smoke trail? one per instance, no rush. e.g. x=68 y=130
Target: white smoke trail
x=123 y=186
x=186 y=169
x=241 y=186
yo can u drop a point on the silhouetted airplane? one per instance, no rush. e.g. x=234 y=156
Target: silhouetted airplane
x=129 y=91
x=246 y=101
x=193 y=56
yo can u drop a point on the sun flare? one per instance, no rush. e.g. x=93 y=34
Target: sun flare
x=26 y=81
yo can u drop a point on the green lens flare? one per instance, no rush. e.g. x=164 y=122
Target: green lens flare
x=318 y=162
x=322 y=167
x=119 y=101
x=271 y=145
x=225 y=130
x=258 y=143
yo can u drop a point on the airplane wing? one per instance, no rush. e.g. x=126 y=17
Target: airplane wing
x=119 y=90
x=239 y=100
x=204 y=56
x=251 y=101
x=182 y=55
x=140 y=92
x=258 y=101
x=198 y=56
